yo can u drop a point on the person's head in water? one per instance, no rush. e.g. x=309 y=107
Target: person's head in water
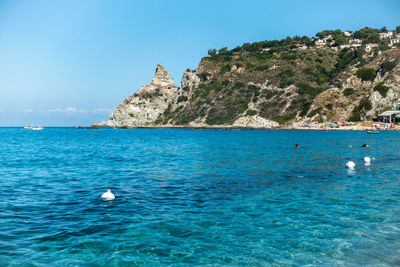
x=297 y=145
x=365 y=145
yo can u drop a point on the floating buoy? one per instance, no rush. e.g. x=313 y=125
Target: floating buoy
x=350 y=165
x=367 y=159
x=108 y=195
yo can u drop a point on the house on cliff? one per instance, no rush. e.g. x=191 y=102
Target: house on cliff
x=369 y=47
x=387 y=34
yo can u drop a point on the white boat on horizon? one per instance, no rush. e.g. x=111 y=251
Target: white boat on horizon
x=38 y=128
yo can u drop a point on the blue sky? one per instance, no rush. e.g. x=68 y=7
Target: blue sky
x=69 y=63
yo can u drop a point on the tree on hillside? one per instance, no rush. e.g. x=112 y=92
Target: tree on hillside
x=337 y=32
x=237 y=49
x=249 y=47
x=212 y=52
x=366 y=74
x=339 y=40
x=373 y=38
x=364 y=33
x=223 y=51
x=383 y=29
x=398 y=29
x=323 y=34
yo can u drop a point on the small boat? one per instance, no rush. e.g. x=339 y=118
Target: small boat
x=372 y=132
x=38 y=128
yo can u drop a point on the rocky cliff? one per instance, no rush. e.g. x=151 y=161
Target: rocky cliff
x=256 y=87
x=145 y=106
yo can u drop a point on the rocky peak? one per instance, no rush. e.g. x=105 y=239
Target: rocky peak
x=162 y=78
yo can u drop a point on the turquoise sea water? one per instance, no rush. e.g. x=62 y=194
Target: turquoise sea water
x=198 y=197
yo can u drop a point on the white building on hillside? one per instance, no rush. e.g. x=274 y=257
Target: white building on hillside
x=368 y=47
x=301 y=46
x=387 y=34
x=395 y=41
x=355 y=41
x=347 y=33
x=320 y=42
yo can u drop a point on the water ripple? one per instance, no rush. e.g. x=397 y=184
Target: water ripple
x=208 y=197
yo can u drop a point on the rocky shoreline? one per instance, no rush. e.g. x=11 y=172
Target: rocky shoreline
x=355 y=127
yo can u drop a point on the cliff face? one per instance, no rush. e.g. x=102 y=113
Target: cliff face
x=356 y=97
x=259 y=90
x=147 y=104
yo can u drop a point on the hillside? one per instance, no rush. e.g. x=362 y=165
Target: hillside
x=333 y=76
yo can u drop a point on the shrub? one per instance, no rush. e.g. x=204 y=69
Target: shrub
x=366 y=74
x=225 y=82
x=262 y=67
x=227 y=58
x=314 y=112
x=382 y=89
x=182 y=98
x=223 y=51
x=364 y=106
x=226 y=68
x=348 y=91
x=203 y=76
x=250 y=66
x=285 y=82
x=251 y=112
x=267 y=94
x=347 y=57
x=305 y=89
x=288 y=56
x=387 y=66
x=254 y=88
x=285 y=118
x=238 y=85
x=305 y=107
x=287 y=72
x=339 y=40
x=212 y=52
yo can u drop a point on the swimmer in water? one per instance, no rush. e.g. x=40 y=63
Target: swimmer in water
x=297 y=145
x=365 y=145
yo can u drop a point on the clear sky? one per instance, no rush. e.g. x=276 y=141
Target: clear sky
x=69 y=63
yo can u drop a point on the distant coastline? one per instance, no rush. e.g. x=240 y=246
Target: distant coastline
x=278 y=84
x=356 y=127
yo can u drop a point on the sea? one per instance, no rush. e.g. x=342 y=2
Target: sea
x=187 y=197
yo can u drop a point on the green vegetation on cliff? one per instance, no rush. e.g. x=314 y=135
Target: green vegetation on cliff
x=280 y=79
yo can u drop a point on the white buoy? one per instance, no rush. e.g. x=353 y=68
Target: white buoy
x=367 y=159
x=108 y=195
x=350 y=165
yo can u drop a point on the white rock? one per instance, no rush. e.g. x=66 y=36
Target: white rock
x=108 y=195
x=255 y=122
